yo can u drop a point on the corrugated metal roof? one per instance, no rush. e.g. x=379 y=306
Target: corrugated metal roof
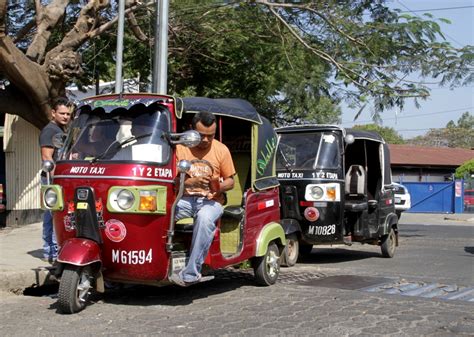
x=428 y=156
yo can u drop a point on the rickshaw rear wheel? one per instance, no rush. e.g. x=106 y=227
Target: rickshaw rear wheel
x=74 y=289
x=291 y=251
x=267 y=267
x=388 y=244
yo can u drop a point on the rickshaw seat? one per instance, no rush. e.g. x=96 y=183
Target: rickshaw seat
x=234 y=212
x=185 y=225
x=242 y=165
x=356 y=189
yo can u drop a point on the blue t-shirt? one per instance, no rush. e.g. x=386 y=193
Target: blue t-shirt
x=46 y=137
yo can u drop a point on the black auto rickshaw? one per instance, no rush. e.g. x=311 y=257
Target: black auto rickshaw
x=335 y=189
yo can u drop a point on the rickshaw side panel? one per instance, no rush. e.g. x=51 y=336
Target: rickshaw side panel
x=261 y=208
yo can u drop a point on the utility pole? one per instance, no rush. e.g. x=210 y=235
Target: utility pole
x=119 y=52
x=160 y=59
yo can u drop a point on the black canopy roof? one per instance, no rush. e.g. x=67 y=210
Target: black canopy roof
x=233 y=107
x=358 y=134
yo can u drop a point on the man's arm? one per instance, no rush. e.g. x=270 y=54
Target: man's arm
x=47 y=153
x=226 y=185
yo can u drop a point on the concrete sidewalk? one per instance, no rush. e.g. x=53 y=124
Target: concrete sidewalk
x=20 y=250
x=20 y=258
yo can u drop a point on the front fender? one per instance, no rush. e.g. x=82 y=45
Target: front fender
x=79 y=252
x=271 y=232
x=391 y=221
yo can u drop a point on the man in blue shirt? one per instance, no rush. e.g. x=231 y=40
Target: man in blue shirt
x=61 y=115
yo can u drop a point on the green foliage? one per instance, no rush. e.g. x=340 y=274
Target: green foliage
x=295 y=61
x=388 y=134
x=453 y=135
x=465 y=170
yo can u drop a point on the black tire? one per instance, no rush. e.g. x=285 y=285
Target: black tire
x=74 y=289
x=304 y=250
x=389 y=244
x=267 y=268
x=291 y=251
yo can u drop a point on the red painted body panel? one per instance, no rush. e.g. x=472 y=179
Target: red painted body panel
x=145 y=234
x=79 y=252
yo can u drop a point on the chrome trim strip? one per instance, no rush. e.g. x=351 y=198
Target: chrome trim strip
x=171 y=181
x=315 y=180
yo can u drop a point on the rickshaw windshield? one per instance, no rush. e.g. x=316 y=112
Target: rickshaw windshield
x=139 y=135
x=308 y=151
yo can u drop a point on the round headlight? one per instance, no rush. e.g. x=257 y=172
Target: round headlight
x=125 y=199
x=50 y=197
x=316 y=192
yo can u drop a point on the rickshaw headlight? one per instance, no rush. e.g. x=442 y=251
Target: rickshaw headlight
x=50 y=197
x=125 y=199
x=316 y=192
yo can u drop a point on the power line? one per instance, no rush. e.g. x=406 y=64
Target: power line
x=438 y=9
x=412 y=116
x=408 y=9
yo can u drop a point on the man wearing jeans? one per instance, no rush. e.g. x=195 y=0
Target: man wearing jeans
x=211 y=174
x=61 y=115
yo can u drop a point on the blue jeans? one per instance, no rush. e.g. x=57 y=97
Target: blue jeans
x=205 y=213
x=50 y=245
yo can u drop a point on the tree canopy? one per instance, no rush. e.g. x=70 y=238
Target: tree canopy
x=295 y=61
x=460 y=134
x=388 y=134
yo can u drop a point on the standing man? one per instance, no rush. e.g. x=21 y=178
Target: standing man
x=61 y=115
x=210 y=161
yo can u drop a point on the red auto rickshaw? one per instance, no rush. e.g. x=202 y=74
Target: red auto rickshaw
x=113 y=193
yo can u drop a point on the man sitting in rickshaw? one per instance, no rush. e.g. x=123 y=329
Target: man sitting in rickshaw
x=211 y=174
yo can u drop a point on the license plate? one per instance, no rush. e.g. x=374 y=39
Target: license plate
x=398 y=200
x=179 y=263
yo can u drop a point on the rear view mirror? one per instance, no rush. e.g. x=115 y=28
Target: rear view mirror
x=190 y=138
x=349 y=139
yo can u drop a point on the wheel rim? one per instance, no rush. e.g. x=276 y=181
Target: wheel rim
x=272 y=264
x=292 y=250
x=83 y=286
x=392 y=241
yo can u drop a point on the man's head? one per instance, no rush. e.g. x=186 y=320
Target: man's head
x=61 y=112
x=205 y=123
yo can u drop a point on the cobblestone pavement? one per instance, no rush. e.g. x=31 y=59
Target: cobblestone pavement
x=233 y=305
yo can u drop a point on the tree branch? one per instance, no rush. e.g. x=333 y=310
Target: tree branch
x=46 y=19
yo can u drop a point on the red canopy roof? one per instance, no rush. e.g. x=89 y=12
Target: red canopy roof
x=428 y=156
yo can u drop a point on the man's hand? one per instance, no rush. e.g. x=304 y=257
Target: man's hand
x=197 y=182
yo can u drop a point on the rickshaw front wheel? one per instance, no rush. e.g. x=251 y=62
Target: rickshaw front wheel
x=267 y=267
x=291 y=251
x=74 y=289
x=388 y=244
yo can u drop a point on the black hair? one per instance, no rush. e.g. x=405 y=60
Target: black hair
x=205 y=117
x=58 y=101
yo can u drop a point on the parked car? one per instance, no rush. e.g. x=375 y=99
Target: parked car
x=469 y=200
x=402 y=198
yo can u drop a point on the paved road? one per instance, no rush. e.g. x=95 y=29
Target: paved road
x=324 y=296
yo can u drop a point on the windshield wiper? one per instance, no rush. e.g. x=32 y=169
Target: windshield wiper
x=287 y=163
x=116 y=146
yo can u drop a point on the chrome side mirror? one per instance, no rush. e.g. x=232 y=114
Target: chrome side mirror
x=190 y=138
x=48 y=166
x=349 y=139
x=184 y=166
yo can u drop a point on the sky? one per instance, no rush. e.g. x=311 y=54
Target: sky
x=443 y=104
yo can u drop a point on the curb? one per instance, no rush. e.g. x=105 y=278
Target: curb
x=17 y=281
